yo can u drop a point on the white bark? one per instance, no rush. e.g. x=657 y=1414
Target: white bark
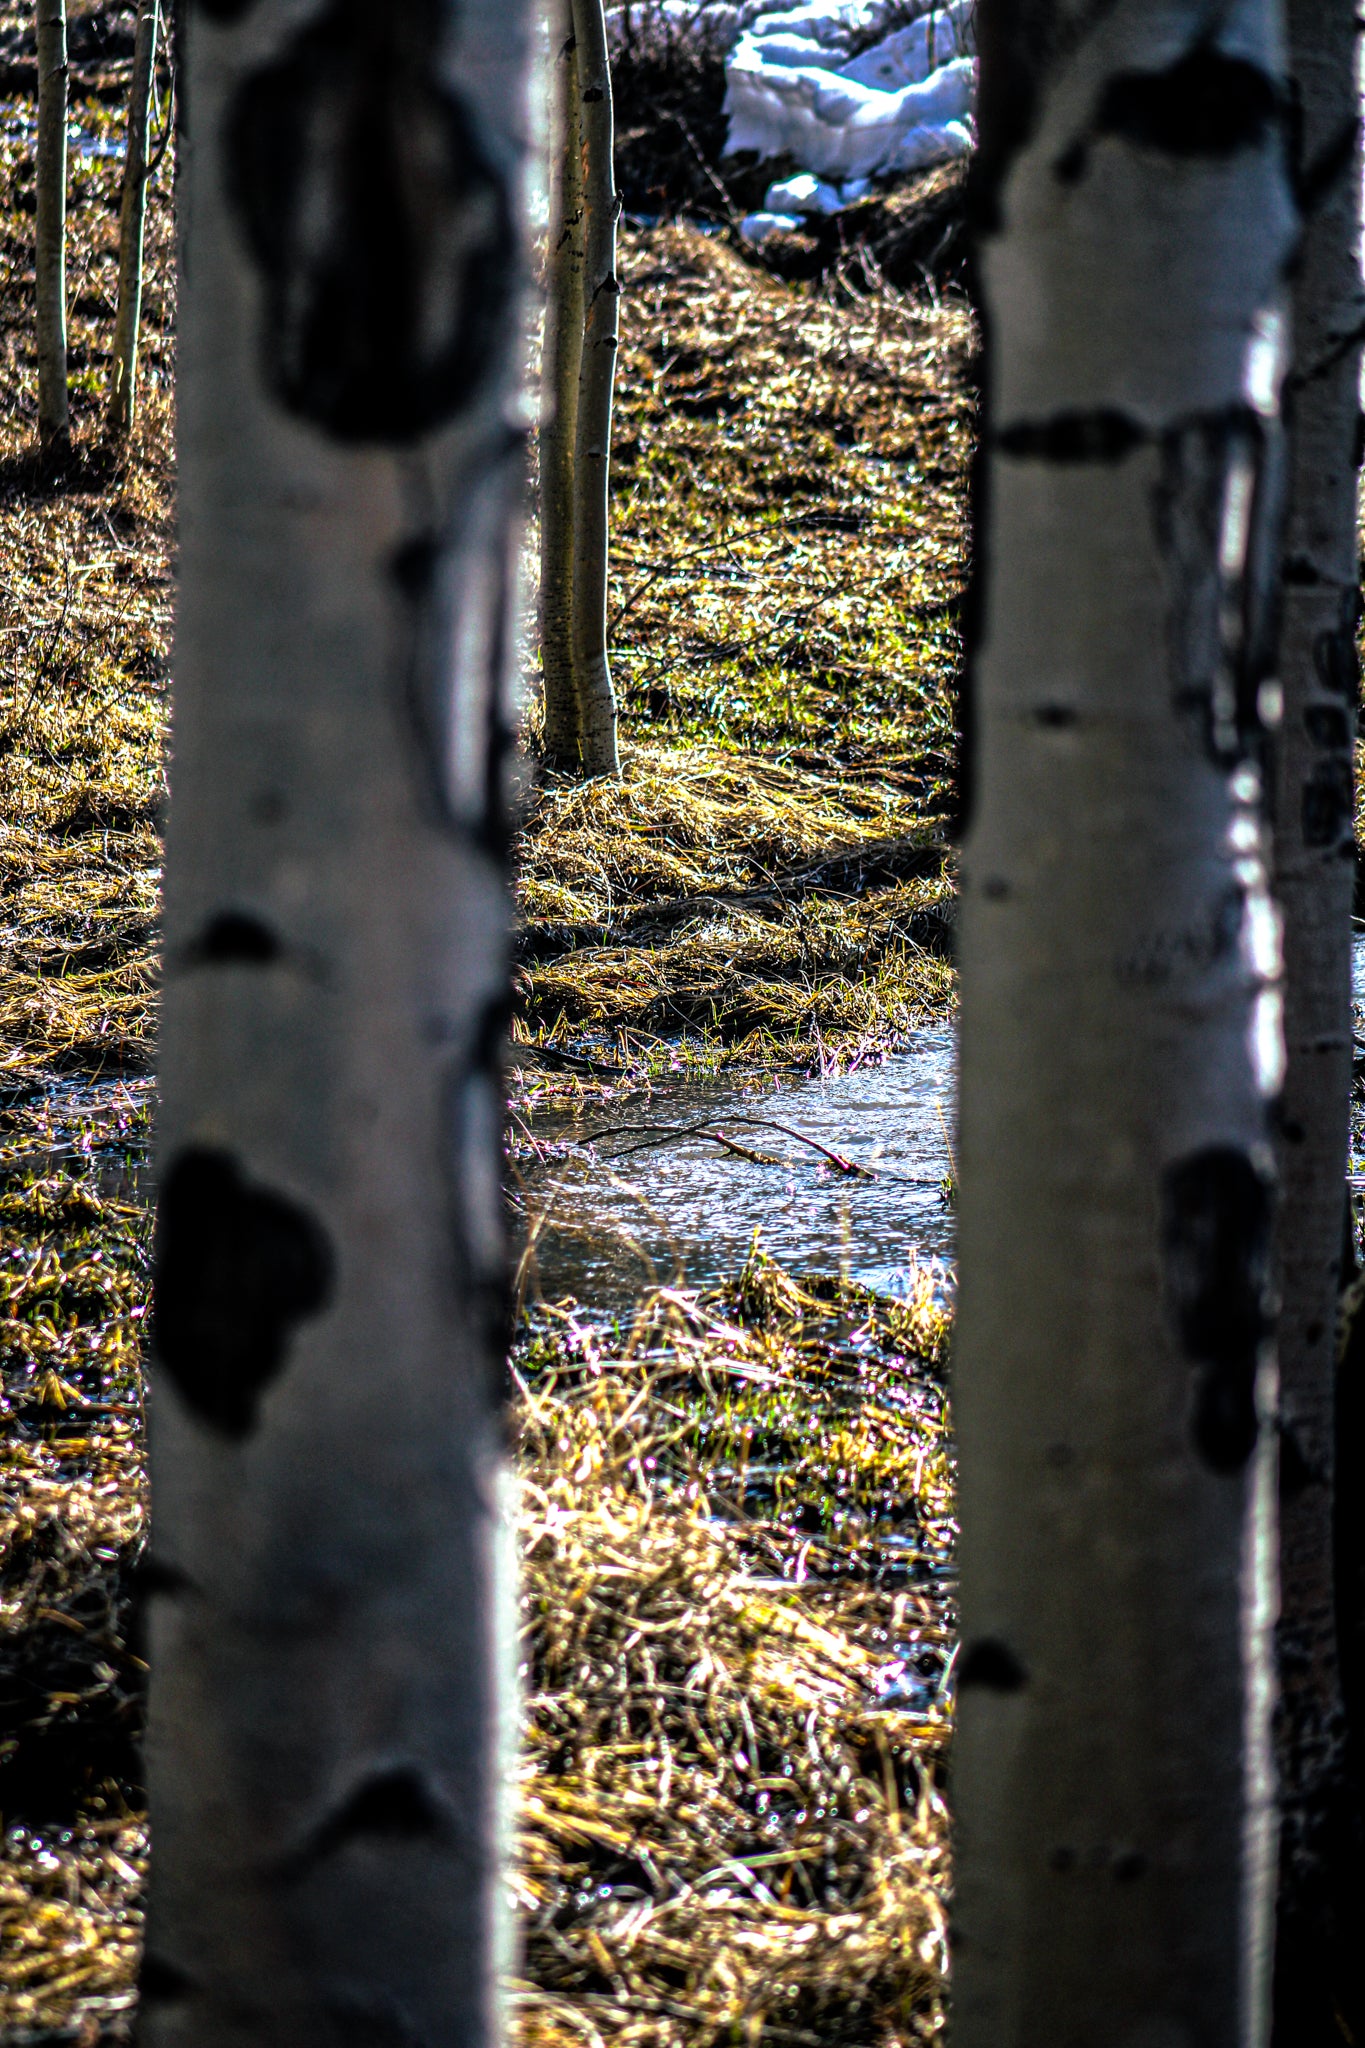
x=592 y=448
x=1320 y=1971
x=1120 y=1038
x=132 y=222
x=330 y=1614
x=563 y=357
x=50 y=223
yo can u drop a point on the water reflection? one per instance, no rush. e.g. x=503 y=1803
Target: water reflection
x=612 y=1200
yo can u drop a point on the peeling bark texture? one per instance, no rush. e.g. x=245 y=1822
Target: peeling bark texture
x=54 y=422
x=328 y=1599
x=132 y=222
x=1320 y=1953
x=597 y=377
x=1120 y=1032
x=563 y=356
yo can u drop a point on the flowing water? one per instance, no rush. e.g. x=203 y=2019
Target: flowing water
x=654 y=1195
x=639 y=1204
x=607 y=1202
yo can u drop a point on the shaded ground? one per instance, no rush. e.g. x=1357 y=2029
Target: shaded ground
x=767 y=885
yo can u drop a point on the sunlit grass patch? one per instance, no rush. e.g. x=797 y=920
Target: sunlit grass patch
x=727 y=1828
x=733 y=909
x=789 y=490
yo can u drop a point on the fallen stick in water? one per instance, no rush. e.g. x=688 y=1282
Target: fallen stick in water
x=838 y=1160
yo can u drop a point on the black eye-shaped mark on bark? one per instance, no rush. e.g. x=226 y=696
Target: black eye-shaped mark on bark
x=234 y=938
x=993 y=1665
x=1216 y=1216
x=1105 y=436
x=1296 y=1474
x=382 y=231
x=1328 y=801
x=163 y=1983
x=1207 y=104
x=399 y=1803
x=1335 y=657
x=149 y=1580
x=237 y=1266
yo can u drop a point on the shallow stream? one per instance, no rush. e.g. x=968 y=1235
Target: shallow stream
x=616 y=1198
x=655 y=1196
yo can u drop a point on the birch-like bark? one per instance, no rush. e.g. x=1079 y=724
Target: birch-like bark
x=54 y=422
x=597 y=376
x=563 y=357
x=1120 y=1036
x=1320 y=1951
x=122 y=404
x=330 y=1606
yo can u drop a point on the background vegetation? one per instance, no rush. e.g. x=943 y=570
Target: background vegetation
x=737 y=1510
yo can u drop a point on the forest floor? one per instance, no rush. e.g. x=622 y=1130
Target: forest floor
x=731 y=1826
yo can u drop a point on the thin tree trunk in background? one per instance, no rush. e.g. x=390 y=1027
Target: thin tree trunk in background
x=331 y=1610
x=597 y=376
x=563 y=357
x=1120 y=1037
x=1320 y=1938
x=54 y=423
x=132 y=221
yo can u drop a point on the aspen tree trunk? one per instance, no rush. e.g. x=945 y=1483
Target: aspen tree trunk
x=1120 y=1036
x=597 y=376
x=330 y=1598
x=132 y=220
x=1320 y=1939
x=563 y=357
x=54 y=424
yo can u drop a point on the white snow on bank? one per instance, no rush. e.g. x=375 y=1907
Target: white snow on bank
x=903 y=103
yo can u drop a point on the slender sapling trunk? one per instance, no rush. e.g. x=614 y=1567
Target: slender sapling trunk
x=331 y=1613
x=54 y=418
x=132 y=222
x=597 y=376
x=1320 y=1953
x=1120 y=1039
x=563 y=357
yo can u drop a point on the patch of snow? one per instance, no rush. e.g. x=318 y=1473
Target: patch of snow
x=757 y=228
x=805 y=193
x=904 y=103
x=901 y=105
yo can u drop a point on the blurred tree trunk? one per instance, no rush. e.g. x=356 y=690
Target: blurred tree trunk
x=597 y=376
x=1120 y=1034
x=1320 y=1936
x=54 y=423
x=132 y=221
x=563 y=357
x=330 y=1594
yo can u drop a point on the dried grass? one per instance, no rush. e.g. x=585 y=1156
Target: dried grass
x=73 y=1289
x=85 y=615
x=788 y=550
x=736 y=1520
x=725 y=1833
x=788 y=562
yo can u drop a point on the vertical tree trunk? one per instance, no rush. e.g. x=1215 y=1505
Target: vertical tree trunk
x=54 y=425
x=597 y=376
x=563 y=357
x=132 y=219
x=330 y=1607
x=1320 y=1944
x=1120 y=1036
